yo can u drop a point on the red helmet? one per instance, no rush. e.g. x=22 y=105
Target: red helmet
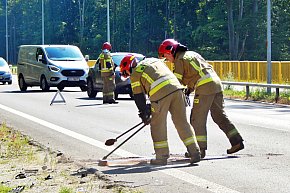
x=168 y=46
x=125 y=65
x=106 y=46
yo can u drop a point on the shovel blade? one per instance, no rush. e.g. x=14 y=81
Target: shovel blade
x=110 y=142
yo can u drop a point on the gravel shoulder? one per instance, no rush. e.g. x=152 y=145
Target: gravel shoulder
x=27 y=166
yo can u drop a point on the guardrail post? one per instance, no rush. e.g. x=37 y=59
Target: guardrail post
x=247 y=91
x=277 y=95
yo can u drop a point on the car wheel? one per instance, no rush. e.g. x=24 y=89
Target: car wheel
x=43 y=84
x=21 y=83
x=10 y=82
x=60 y=88
x=92 y=93
x=84 y=88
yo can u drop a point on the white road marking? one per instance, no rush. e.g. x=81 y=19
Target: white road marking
x=189 y=178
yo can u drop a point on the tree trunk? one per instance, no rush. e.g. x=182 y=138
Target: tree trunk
x=231 y=29
x=82 y=21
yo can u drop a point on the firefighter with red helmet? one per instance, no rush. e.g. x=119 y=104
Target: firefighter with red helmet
x=108 y=74
x=151 y=78
x=192 y=70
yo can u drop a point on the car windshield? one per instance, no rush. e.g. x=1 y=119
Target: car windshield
x=64 y=53
x=2 y=63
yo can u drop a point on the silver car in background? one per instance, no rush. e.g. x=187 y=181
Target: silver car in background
x=5 y=72
x=95 y=81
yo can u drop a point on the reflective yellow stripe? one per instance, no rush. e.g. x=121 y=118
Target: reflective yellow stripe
x=108 y=94
x=201 y=138
x=207 y=80
x=204 y=78
x=147 y=77
x=179 y=76
x=160 y=80
x=106 y=70
x=196 y=101
x=160 y=144
x=158 y=87
x=135 y=84
x=196 y=67
x=189 y=141
x=232 y=132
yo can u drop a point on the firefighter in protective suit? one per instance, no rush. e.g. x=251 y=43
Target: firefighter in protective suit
x=108 y=74
x=193 y=71
x=153 y=79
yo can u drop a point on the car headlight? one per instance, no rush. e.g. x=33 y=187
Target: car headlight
x=53 y=68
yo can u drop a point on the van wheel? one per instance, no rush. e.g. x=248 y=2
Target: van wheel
x=21 y=83
x=92 y=93
x=43 y=84
x=84 y=88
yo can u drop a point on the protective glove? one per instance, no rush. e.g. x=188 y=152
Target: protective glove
x=146 y=115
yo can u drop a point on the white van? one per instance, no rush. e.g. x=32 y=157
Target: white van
x=51 y=66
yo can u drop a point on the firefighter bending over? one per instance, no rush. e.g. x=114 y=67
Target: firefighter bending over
x=192 y=70
x=152 y=78
x=108 y=74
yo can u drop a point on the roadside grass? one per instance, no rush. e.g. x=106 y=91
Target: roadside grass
x=43 y=171
x=258 y=95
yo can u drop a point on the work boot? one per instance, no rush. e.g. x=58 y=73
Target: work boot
x=236 y=148
x=112 y=101
x=202 y=154
x=195 y=158
x=158 y=162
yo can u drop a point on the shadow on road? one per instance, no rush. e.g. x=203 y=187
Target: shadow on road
x=145 y=167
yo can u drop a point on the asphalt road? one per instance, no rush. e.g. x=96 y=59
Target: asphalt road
x=80 y=126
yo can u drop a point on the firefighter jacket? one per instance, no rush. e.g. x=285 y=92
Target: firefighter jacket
x=192 y=70
x=106 y=64
x=153 y=78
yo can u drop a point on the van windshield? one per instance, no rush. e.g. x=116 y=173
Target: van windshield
x=64 y=53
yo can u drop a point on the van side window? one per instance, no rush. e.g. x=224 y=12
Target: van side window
x=39 y=52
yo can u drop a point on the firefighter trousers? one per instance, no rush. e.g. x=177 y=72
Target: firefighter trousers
x=215 y=104
x=108 y=88
x=175 y=104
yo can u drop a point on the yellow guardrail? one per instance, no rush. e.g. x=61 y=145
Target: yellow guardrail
x=252 y=71
x=249 y=71
x=240 y=71
x=91 y=63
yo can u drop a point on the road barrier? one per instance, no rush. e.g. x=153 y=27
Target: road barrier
x=252 y=71
x=248 y=84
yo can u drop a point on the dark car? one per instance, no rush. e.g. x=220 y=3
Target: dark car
x=95 y=81
x=5 y=72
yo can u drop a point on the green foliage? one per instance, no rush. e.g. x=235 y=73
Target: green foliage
x=258 y=95
x=12 y=143
x=202 y=25
x=4 y=189
x=66 y=190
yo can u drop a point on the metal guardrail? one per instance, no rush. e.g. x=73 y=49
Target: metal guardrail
x=248 y=84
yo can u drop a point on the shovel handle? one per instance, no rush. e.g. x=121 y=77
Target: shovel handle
x=128 y=130
x=123 y=142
